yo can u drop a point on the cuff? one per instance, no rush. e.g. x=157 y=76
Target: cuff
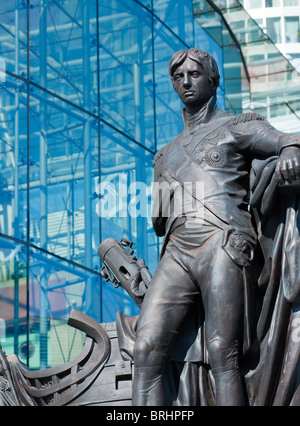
x=289 y=140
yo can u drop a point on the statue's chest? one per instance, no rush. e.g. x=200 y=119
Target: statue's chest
x=209 y=148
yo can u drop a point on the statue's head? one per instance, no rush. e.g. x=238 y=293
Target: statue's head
x=195 y=76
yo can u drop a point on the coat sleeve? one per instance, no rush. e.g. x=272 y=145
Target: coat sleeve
x=258 y=137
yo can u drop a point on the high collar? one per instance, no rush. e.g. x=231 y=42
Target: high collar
x=191 y=121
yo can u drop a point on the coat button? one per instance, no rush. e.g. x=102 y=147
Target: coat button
x=215 y=156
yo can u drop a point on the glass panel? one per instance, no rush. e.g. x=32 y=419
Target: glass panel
x=146 y=3
x=254 y=4
x=273 y=3
x=13 y=158
x=168 y=106
x=63 y=54
x=63 y=176
x=291 y=2
x=212 y=23
x=259 y=22
x=13 y=36
x=295 y=61
x=244 y=28
x=274 y=29
x=13 y=297
x=266 y=82
x=126 y=69
x=114 y=300
x=203 y=41
x=125 y=194
x=177 y=15
x=236 y=84
x=227 y=4
x=292 y=29
x=55 y=287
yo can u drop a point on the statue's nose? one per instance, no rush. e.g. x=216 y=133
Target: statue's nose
x=186 y=82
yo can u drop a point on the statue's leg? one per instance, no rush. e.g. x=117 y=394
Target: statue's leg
x=165 y=306
x=222 y=294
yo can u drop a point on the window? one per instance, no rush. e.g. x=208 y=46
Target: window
x=290 y=2
x=292 y=29
x=259 y=22
x=273 y=3
x=274 y=30
x=255 y=4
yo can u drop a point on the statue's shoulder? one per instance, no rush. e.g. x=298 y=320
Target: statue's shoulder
x=235 y=119
x=162 y=151
x=246 y=117
x=158 y=155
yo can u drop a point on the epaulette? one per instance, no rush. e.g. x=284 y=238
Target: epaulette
x=247 y=116
x=157 y=156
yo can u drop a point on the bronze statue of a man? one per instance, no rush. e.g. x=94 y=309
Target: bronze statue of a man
x=206 y=255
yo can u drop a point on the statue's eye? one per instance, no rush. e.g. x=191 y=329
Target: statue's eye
x=177 y=76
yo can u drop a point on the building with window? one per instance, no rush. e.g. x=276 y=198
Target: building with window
x=86 y=101
x=280 y=19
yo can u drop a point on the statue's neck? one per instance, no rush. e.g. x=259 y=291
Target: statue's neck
x=193 y=116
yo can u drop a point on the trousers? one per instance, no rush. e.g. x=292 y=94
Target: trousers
x=193 y=262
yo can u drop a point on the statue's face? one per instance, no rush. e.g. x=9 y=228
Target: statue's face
x=192 y=84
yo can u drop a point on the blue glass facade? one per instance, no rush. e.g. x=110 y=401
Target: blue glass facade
x=86 y=101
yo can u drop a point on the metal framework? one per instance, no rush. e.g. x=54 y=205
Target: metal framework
x=64 y=127
x=54 y=114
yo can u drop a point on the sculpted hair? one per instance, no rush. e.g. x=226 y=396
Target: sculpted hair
x=201 y=57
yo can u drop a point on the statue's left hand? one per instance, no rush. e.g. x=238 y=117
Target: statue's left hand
x=288 y=165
